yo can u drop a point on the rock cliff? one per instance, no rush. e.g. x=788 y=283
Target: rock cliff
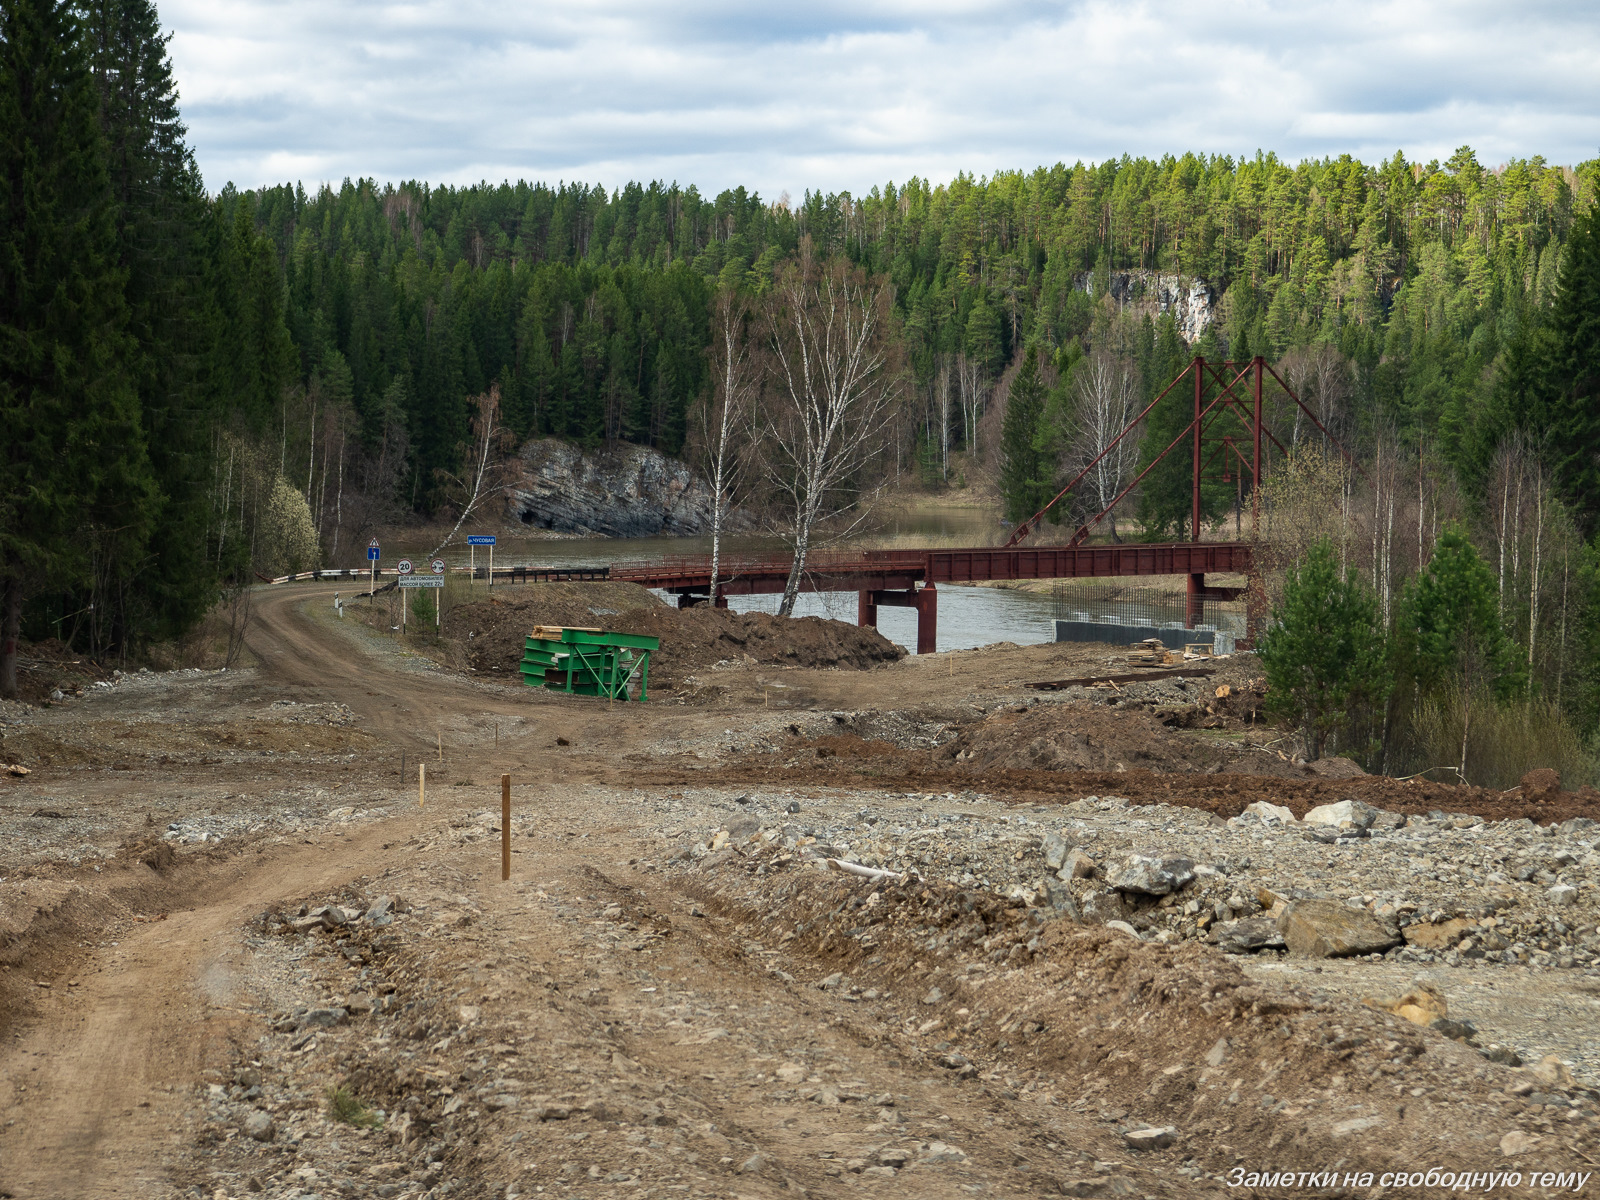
x=1188 y=298
x=626 y=491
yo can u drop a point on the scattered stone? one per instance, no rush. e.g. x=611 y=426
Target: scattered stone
x=1151 y=1138
x=1150 y=876
x=259 y=1126
x=933 y=997
x=1124 y=927
x=1456 y=1031
x=1552 y=1072
x=1101 y=908
x=1427 y=936
x=1219 y=1054
x=1077 y=865
x=1351 y=813
x=1332 y=929
x=1517 y=1142
x=1423 y=1005
x=1055 y=851
x=1562 y=894
x=1248 y=935
x=322 y=1018
x=1271 y=812
x=754 y=1165
x=942 y=1152
x=1355 y=1125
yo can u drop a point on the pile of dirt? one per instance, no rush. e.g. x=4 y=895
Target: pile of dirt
x=1087 y=738
x=491 y=632
x=1137 y=1034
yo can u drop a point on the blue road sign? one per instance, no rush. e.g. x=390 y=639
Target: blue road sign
x=372 y=554
x=480 y=539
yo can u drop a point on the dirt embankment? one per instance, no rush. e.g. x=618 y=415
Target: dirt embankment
x=490 y=633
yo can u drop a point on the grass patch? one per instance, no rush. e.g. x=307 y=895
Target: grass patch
x=344 y=1105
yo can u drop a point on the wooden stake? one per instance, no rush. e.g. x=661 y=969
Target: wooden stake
x=422 y=783
x=505 y=827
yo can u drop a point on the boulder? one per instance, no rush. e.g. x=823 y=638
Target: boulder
x=1248 y=935
x=1345 y=813
x=1332 y=929
x=323 y=1018
x=1271 y=812
x=1055 y=850
x=1101 y=907
x=1151 y=1138
x=1150 y=875
x=1076 y=865
x=259 y=1126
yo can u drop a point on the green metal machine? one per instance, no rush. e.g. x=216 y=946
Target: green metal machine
x=588 y=662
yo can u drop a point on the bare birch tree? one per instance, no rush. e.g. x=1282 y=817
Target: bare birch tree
x=1106 y=398
x=478 y=481
x=836 y=393
x=974 y=390
x=728 y=419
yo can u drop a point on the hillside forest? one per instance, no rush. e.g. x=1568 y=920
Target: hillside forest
x=201 y=387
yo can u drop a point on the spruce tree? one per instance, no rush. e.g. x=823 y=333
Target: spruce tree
x=74 y=458
x=161 y=213
x=1025 y=481
x=1574 y=357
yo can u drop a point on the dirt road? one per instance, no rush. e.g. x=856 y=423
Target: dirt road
x=620 y=1018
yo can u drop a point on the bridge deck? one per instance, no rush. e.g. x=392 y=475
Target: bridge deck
x=902 y=570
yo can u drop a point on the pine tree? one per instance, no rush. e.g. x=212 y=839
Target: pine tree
x=74 y=455
x=1326 y=657
x=1025 y=483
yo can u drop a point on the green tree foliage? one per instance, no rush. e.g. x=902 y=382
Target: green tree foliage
x=1574 y=345
x=76 y=488
x=1326 y=659
x=1025 y=463
x=1453 y=631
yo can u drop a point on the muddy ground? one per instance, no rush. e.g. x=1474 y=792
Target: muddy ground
x=238 y=957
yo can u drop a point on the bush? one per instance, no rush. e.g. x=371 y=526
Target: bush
x=1508 y=740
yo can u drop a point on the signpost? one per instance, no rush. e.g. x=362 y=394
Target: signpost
x=473 y=542
x=403 y=569
x=372 y=561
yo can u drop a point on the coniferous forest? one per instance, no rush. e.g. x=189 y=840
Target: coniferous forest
x=197 y=386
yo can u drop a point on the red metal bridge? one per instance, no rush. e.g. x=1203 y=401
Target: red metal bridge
x=1225 y=442
x=910 y=578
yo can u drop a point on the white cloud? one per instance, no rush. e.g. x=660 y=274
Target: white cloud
x=850 y=95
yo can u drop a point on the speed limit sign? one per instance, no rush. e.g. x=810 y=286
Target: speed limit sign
x=403 y=566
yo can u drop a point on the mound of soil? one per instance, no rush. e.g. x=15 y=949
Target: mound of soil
x=1089 y=738
x=491 y=632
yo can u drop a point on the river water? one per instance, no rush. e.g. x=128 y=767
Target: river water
x=968 y=616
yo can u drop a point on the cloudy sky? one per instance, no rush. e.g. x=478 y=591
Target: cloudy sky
x=842 y=94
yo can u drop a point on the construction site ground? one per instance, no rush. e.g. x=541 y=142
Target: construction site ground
x=238 y=957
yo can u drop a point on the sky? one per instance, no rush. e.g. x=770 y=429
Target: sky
x=844 y=94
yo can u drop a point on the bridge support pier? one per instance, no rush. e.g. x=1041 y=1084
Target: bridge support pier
x=1194 y=596
x=924 y=599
